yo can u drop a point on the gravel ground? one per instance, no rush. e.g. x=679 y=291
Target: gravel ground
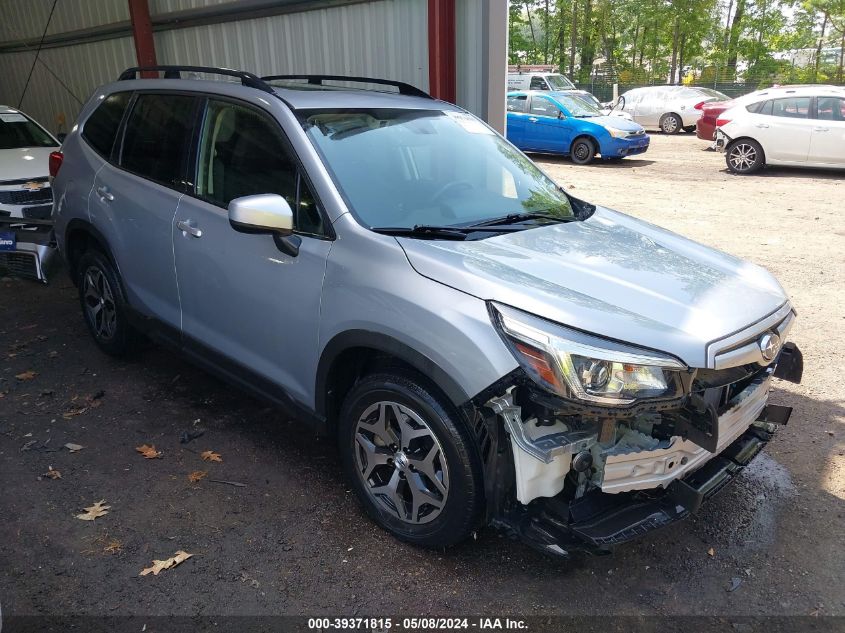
x=293 y=539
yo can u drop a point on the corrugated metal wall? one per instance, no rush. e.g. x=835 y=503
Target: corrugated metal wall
x=382 y=38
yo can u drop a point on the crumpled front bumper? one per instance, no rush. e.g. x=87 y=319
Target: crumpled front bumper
x=598 y=521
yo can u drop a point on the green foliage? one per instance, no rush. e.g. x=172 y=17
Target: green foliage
x=700 y=41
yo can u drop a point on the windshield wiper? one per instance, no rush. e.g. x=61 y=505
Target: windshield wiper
x=447 y=232
x=522 y=217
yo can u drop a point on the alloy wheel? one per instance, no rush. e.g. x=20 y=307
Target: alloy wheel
x=742 y=156
x=401 y=462
x=99 y=303
x=670 y=125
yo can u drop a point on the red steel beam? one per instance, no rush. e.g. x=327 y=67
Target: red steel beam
x=142 y=33
x=442 y=59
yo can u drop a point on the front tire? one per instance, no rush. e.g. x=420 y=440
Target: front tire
x=744 y=156
x=411 y=460
x=689 y=129
x=583 y=151
x=671 y=124
x=103 y=305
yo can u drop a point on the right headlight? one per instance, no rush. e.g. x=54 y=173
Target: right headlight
x=579 y=366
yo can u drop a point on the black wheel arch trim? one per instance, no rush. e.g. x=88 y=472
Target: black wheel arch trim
x=386 y=344
x=78 y=224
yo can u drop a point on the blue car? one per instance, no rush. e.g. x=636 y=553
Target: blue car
x=561 y=123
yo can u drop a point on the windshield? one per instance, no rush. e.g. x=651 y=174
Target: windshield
x=577 y=106
x=559 y=82
x=590 y=99
x=403 y=168
x=18 y=131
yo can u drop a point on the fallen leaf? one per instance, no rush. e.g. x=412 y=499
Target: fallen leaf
x=91 y=402
x=735 y=583
x=149 y=452
x=94 y=511
x=160 y=565
x=114 y=547
x=711 y=552
x=197 y=475
x=26 y=375
x=52 y=474
x=211 y=456
x=28 y=445
x=73 y=447
x=53 y=354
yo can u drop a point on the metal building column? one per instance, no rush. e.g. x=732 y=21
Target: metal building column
x=142 y=33
x=442 y=58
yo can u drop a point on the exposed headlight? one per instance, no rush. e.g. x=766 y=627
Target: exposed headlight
x=615 y=133
x=579 y=366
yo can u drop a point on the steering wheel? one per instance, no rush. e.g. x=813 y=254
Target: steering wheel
x=453 y=184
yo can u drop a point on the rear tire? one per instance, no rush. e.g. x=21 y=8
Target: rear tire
x=744 y=156
x=104 y=307
x=583 y=151
x=671 y=124
x=411 y=460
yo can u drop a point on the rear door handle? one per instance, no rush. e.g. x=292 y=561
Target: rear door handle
x=821 y=129
x=105 y=194
x=186 y=227
x=762 y=125
x=533 y=119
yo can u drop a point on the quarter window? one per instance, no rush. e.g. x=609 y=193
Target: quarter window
x=792 y=107
x=243 y=152
x=101 y=127
x=157 y=137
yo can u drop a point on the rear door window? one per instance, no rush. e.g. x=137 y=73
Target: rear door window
x=791 y=107
x=538 y=83
x=541 y=106
x=101 y=127
x=158 y=136
x=517 y=103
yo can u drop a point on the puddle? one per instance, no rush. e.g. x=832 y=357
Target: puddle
x=765 y=471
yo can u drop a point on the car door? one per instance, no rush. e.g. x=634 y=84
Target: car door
x=517 y=118
x=827 y=141
x=247 y=305
x=783 y=127
x=545 y=129
x=134 y=200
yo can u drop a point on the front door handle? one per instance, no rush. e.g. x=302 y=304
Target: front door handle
x=821 y=129
x=762 y=125
x=533 y=119
x=186 y=227
x=105 y=194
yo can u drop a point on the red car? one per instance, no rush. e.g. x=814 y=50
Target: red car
x=705 y=128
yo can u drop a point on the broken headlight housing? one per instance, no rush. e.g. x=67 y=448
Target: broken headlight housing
x=579 y=366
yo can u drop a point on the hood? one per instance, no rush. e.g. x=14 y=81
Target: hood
x=611 y=275
x=620 y=123
x=25 y=162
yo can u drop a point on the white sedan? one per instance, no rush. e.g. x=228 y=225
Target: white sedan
x=801 y=127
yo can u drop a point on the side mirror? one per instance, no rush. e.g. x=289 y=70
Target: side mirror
x=262 y=213
x=61 y=136
x=560 y=115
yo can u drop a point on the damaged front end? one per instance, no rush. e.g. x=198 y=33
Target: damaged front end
x=578 y=462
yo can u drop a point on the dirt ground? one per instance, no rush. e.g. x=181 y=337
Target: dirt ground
x=293 y=540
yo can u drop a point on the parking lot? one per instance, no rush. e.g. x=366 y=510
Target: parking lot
x=292 y=538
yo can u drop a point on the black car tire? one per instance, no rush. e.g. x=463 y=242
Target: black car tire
x=744 y=156
x=583 y=151
x=671 y=124
x=461 y=513
x=115 y=335
x=689 y=128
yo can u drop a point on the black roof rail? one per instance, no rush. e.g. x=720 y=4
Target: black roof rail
x=317 y=80
x=174 y=72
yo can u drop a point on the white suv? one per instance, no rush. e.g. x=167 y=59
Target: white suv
x=803 y=127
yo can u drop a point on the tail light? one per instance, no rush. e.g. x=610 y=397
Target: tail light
x=721 y=122
x=699 y=106
x=56 y=159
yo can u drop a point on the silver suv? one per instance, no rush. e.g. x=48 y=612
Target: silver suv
x=486 y=348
